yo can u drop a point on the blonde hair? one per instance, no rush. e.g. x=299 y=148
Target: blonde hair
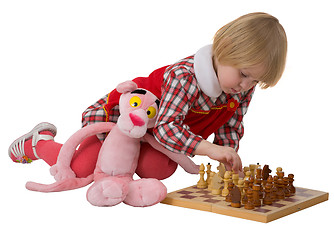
x=251 y=40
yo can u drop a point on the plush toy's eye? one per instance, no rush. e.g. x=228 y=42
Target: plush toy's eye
x=151 y=112
x=135 y=101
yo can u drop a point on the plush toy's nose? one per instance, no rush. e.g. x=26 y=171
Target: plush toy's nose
x=137 y=121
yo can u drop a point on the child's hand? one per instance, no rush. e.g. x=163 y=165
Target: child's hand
x=226 y=155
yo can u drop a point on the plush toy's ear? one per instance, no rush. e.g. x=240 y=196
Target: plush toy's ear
x=127 y=86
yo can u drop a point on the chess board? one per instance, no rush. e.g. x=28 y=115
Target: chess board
x=202 y=199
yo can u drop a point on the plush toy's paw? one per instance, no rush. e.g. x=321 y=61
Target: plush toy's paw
x=145 y=192
x=61 y=172
x=192 y=169
x=109 y=191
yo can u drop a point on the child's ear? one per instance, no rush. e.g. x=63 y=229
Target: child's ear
x=127 y=86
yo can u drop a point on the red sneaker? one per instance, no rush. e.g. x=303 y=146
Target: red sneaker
x=23 y=149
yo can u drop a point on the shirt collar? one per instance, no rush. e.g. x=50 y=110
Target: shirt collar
x=205 y=73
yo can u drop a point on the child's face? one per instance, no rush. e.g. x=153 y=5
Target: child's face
x=233 y=80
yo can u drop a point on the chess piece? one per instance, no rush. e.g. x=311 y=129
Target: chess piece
x=280 y=175
x=258 y=181
x=268 y=199
x=290 y=186
x=258 y=174
x=247 y=175
x=266 y=172
x=252 y=169
x=221 y=170
x=208 y=172
x=227 y=179
x=245 y=169
x=216 y=184
x=235 y=178
x=245 y=189
x=279 y=169
x=235 y=197
x=251 y=181
x=240 y=185
x=210 y=181
x=286 y=189
x=256 y=195
x=229 y=195
x=201 y=183
x=280 y=189
x=249 y=205
x=274 y=189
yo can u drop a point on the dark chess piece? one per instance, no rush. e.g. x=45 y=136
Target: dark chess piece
x=256 y=195
x=286 y=189
x=280 y=189
x=266 y=172
x=268 y=198
x=290 y=186
x=229 y=195
x=249 y=205
x=235 y=197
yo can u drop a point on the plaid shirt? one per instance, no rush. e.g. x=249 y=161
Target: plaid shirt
x=180 y=92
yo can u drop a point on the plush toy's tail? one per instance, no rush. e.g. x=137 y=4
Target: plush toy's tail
x=63 y=185
x=65 y=177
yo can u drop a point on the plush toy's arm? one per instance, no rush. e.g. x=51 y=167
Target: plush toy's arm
x=186 y=163
x=62 y=169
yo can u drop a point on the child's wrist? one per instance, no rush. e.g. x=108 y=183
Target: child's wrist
x=203 y=148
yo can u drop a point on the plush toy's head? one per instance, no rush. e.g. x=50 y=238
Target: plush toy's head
x=138 y=109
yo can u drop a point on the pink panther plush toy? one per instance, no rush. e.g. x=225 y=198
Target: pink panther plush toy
x=118 y=157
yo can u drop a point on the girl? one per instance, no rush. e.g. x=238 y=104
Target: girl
x=207 y=93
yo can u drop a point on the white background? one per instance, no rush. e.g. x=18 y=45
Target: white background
x=58 y=57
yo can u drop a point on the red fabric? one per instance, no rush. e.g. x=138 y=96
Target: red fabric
x=84 y=159
x=152 y=164
x=204 y=123
x=151 y=83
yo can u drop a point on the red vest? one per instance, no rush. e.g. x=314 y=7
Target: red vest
x=200 y=122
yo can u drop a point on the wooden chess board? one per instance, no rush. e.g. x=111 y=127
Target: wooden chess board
x=202 y=199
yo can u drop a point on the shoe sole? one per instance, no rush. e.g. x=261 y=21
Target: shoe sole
x=44 y=126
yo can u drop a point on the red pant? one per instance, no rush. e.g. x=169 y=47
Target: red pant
x=151 y=164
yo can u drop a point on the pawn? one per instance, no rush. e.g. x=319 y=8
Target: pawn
x=268 y=199
x=286 y=189
x=290 y=186
x=229 y=195
x=240 y=185
x=280 y=175
x=227 y=179
x=235 y=197
x=245 y=169
x=210 y=181
x=275 y=188
x=251 y=181
x=235 y=178
x=249 y=205
x=256 y=195
x=280 y=189
x=247 y=175
x=245 y=189
x=279 y=169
